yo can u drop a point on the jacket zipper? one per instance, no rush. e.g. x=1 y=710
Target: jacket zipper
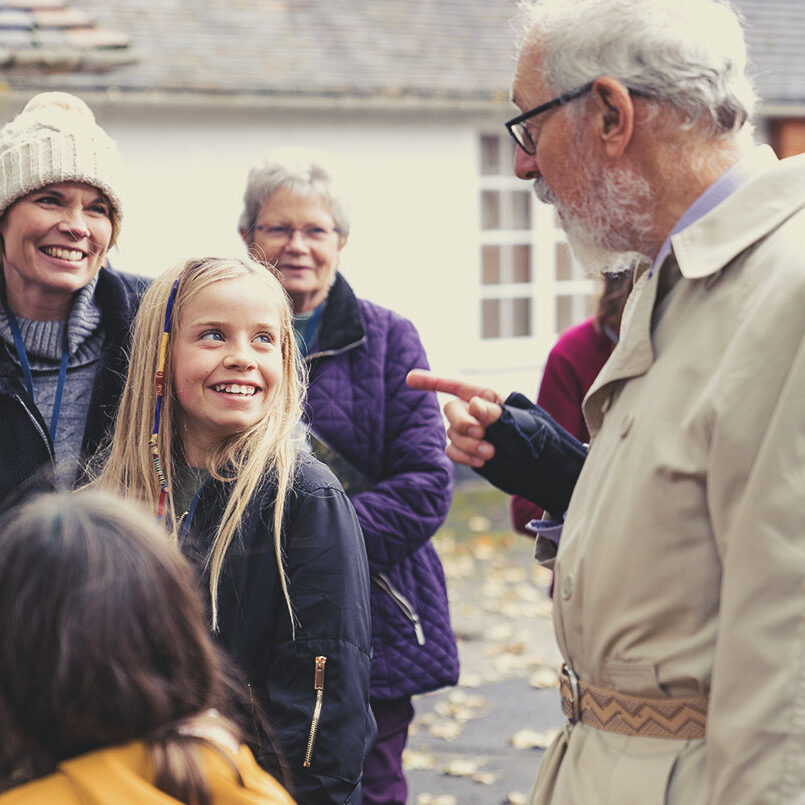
x=318 y=686
x=37 y=426
x=257 y=732
x=327 y=353
x=405 y=606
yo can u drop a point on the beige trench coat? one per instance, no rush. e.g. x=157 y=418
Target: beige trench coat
x=681 y=569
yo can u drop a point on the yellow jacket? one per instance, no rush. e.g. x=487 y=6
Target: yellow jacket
x=121 y=776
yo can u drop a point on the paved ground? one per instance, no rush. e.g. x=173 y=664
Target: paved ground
x=477 y=743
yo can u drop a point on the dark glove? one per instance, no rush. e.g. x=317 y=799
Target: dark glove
x=535 y=457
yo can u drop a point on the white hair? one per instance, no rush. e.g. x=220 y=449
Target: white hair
x=303 y=171
x=690 y=54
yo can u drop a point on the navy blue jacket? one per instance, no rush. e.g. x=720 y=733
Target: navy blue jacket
x=359 y=404
x=328 y=582
x=26 y=451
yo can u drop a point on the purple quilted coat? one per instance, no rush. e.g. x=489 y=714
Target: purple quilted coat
x=393 y=436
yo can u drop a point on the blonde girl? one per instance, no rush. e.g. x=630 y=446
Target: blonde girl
x=208 y=436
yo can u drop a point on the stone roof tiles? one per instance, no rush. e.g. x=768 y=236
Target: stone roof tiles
x=397 y=50
x=39 y=37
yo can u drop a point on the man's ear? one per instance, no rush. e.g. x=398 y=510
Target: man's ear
x=614 y=122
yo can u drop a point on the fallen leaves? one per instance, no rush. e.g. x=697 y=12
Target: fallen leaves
x=462 y=767
x=415 y=760
x=450 y=714
x=479 y=523
x=438 y=799
x=544 y=677
x=533 y=739
x=502 y=616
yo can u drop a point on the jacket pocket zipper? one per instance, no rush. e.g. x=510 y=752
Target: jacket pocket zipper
x=318 y=686
x=258 y=737
x=37 y=426
x=404 y=605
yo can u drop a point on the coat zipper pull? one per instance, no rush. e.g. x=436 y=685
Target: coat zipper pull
x=403 y=604
x=418 y=631
x=318 y=686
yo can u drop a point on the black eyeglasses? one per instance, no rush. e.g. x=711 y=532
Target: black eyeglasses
x=519 y=131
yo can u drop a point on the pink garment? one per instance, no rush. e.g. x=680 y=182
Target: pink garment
x=572 y=365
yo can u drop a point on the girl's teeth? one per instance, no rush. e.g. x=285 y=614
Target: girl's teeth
x=234 y=388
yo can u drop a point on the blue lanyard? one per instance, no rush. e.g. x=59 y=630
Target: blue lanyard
x=22 y=355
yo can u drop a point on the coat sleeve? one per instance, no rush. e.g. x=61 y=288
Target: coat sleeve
x=535 y=457
x=756 y=498
x=406 y=506
x=560 y=394
x=329 y=587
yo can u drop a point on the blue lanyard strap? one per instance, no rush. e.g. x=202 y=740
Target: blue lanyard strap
x=22 y=355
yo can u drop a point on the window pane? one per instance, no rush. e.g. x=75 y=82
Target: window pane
x=521 y=316
x=490 y=209
x=572 y=310
x=564 y=313
x=490 y=155
x=490 y=318
x=520 y=210
x=507 y=155
x=521 y=263
x=564 y=263
x=490 y=265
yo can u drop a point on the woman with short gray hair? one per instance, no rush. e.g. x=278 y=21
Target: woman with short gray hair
x=384 y=441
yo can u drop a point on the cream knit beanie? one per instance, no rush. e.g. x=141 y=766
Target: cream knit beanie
x=56 y=139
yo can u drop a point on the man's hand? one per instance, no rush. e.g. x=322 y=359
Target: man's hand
x=473 y=410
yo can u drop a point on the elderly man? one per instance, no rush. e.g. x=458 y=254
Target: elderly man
x=680 y=574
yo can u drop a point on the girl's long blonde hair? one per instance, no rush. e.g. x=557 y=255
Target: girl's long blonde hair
x=266 y=450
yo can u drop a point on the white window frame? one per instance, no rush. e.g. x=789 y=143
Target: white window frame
x=544 y=287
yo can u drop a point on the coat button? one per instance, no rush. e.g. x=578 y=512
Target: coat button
x=567 y=588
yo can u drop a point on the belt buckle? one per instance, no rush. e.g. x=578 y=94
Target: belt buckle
x=569 y=675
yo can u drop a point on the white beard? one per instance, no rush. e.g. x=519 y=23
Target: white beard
x=611 y=218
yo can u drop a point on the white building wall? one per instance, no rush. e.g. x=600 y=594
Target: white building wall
x=411 y=182
x=412 y=188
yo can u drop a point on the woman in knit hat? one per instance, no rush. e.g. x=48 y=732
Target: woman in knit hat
x=64 y=315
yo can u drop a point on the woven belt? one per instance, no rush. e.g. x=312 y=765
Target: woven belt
x=631 y=715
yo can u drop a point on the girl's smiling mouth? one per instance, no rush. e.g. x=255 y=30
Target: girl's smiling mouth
x=242 y=389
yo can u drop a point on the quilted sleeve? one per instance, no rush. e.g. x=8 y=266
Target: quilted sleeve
x=410 y=500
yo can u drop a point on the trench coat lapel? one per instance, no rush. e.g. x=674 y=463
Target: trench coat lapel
x=634 y=353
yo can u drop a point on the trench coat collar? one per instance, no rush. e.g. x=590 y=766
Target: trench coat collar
x=633 y=353
x=700 y=250
x=746 y=216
